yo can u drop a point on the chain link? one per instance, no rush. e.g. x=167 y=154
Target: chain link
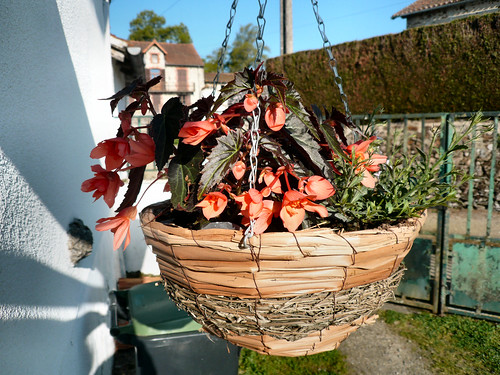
x=259 y=41
x=332 y=60
x=254 y=150
x=220 y=63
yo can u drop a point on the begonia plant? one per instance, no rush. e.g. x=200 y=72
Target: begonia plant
x=308 y=167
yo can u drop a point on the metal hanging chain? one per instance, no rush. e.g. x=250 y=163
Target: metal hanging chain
x=332 y=61
x=259 y=41
x=252 y=178
x=220 y=63
x=254 y=128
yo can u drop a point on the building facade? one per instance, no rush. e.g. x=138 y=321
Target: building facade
x=180 y=65
x=434 y=12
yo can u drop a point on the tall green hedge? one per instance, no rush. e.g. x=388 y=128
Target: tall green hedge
x=446 y=68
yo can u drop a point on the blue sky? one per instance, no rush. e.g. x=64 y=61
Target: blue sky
x=206 y=20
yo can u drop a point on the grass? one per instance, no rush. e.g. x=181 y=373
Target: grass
x=252 y=363
x=456 y=345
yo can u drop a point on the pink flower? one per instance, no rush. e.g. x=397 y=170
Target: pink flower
x=195 y=132
x=213 y=204
x=269 y=210
x=367 y=162
x=293 y=209
x=114 y=150
x=239 y=169
x=251 y=102
x=271 y=179
x=104 y=183
x=142 y=151
x=251 y=203
x=119 y=226
x=275 y=116
x=126 y=122
x=318 y=186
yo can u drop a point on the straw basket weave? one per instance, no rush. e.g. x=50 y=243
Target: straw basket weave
x=287 y=294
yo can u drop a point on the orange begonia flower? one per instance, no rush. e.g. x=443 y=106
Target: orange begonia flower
x=195 y=132
x=293 y=209
x=213 y=204
x=142 y=151
x=126 y=122
x=317 y=186
x=251 y=203
x=104 y=183
x=239 y=169
x=119 y=225
x=251 y=102
x=271 y=179
x=114 y=150
x=269 y=209
x=367 y=162
x=275 y=116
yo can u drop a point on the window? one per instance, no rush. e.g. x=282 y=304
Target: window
x=182 y=82
x=154 y=73
x=155 y=59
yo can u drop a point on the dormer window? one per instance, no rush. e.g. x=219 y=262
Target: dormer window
x=155 y=58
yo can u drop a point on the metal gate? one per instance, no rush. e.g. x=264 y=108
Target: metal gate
x=454 y=264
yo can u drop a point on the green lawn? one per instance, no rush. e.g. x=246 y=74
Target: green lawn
x=456 y=345
x=252 y=363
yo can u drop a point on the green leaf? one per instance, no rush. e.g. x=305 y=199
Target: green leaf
x=295 y=106
x=242 y=81
x=165 y=129
x=332 y=141
x=219 y=162
x=182 y=175
x=308 y=144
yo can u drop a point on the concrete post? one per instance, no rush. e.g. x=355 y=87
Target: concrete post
x=286 y=27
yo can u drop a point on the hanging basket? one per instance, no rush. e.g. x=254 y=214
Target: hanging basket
x=287 y=294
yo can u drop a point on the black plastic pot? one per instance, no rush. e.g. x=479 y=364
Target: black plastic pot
x=167 y=340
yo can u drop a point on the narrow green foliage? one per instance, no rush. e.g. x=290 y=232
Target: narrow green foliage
x=408 y=184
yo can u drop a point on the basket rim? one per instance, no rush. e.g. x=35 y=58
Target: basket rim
x=147 y=217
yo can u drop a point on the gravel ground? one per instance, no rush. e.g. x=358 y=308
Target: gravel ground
x=375 y=350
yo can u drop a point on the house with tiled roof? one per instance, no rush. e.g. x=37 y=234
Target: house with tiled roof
x=433 y=12
x=180 y=65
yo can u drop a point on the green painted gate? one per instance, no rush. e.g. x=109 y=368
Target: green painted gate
x=454 y=264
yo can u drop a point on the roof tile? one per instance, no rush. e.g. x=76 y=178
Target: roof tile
x=183 y=54
x=423 y=5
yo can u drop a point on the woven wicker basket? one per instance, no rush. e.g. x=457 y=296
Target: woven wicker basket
x=287 y=294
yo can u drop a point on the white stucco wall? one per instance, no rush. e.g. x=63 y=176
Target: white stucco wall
x=54 y=65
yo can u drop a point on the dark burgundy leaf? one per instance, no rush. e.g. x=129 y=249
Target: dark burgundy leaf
x=203 y=107
x=136 y=175
x=165 y=129
x=122 y=93
x=152 y=82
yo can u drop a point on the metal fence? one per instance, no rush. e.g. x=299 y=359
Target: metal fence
x=454 y=264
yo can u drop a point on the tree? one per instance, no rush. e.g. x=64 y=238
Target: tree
x=242 y=51
x=148 y=26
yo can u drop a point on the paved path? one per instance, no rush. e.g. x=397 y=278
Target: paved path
x=375 y=350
